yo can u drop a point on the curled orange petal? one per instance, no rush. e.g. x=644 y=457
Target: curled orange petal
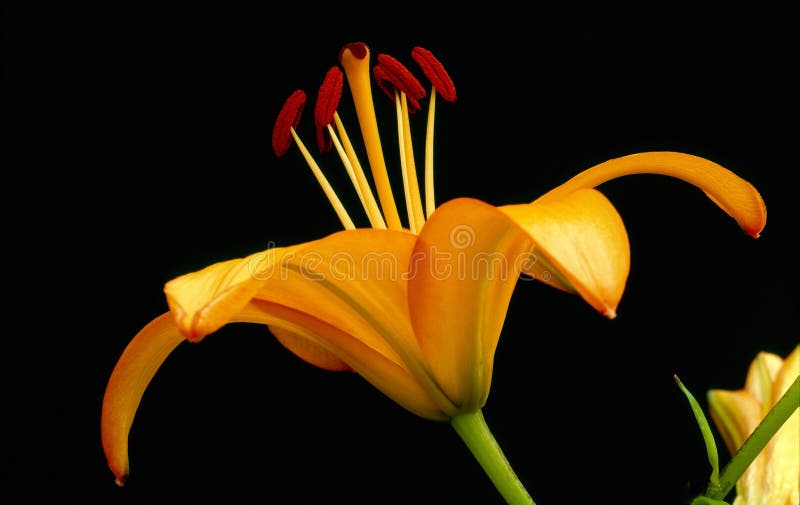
x=130 y=377
x=734 y=195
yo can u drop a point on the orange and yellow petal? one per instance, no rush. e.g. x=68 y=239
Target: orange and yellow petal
x=583 y=238
x=205 y=300
x=464 y=268
x=304 y=335
x=467 y=261
x=133 y=372
x=391 y=378
x=734 y=195
x=355 y=281
x=308 y=351
x=349 y=286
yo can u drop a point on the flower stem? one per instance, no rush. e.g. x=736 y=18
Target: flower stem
x=751 y=447
x=473 y=431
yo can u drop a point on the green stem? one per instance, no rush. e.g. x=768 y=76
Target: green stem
x=751 y=447
x=473 y=431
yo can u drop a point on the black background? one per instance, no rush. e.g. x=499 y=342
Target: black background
x=139 y=150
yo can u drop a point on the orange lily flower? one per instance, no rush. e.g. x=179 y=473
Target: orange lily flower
x=773 y=478
x=415 y=309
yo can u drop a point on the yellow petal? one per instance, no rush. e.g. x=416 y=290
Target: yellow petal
x=782 y=454
x=735 y=413
x=737 y=197
x=204 y=301
x=760 y=377
x=308 y=351
x=465 y=266
x=583 y=238
x=131 y=375
x=786 y=375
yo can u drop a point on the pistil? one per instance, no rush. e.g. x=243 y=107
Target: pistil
x=330 y=92
x=355 y=60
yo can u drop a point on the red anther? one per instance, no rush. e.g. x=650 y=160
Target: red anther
x=288 y=118
x=435 y=72
x=384 y=80
x=391 y=74
x=327 y=100
x=359 y=50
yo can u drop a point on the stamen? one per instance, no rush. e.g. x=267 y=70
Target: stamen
x=435 y=72
x=430 y=198
x=330 y=92
x=416 y=218
x=441 y=82
x=282 y=134
x=353 y=179
x=398 y=83
x=326 y=187
x=373 y=211
x=288 y=118
x=355 y=60
x=412 y=225
x=390 y=74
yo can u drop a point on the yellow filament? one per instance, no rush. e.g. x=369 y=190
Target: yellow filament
x=357 y=71
x=430 y=202
x=326 y=187
x=413 y=198
x=350 y=172
x=412 y=225
x=373 y=211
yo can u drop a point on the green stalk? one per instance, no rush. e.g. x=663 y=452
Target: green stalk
x=751 y=447
x=475 y=433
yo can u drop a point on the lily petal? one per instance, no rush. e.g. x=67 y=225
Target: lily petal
x=148 y=350
x=583 y=237
x=782 y=473
x=760 y=377
x=736 y=414
x=467 y=261
x=734 y=195
x=392 y=378
x=204 y=301
x=343 y=293
x=308 y=351
x=136 y=367
x=464 y=271
x=354 y=282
